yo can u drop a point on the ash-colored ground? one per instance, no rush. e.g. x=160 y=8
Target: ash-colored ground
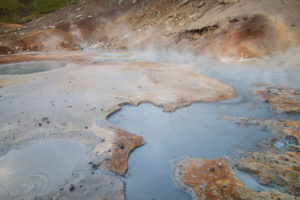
x=73 y=102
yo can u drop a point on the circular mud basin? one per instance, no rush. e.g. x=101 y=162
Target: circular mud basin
x=29 y=67
x=36 y=169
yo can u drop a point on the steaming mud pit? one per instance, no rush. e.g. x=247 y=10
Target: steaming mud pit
x=34 y=170
x=72 y=104
x=29 y=67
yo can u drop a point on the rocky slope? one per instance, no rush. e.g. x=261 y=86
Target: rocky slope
x=225 y=29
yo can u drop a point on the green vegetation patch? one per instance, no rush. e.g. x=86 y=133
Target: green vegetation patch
x=13 y=11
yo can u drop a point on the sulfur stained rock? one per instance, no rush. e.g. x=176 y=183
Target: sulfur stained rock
x=279 y=164
x=274 y=168
x=283 y=99
x=290 y=128
x=215 y=179
x=278 y=167
x=124 y=144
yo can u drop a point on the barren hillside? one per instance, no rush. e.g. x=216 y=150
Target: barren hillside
x=225 y=29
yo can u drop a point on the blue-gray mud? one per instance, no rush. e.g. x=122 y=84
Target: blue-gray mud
x=29 y=67
x=36 y=169
x=199 y=130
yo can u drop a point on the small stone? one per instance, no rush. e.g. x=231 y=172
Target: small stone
x=220 y=164
x=72 y=188
x=78 y=16
x=184 y=2
x=94 y=166
x=201 y=4
x=44 y=119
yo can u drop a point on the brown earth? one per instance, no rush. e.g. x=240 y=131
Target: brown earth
x=215 y=179
x=124 y=144
x=224 y=29
x=280 y=98
x=10 y=26
x=66 y=56
x=45 y=40
x=5 y=50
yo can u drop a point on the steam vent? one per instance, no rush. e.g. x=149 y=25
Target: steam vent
x=149 y=100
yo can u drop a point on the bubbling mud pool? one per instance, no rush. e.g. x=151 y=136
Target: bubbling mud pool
x=35 y=169
x=29 y=67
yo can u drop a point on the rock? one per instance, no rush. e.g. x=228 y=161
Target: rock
x=72 y=188
x=273 y=168
x=47 y=40
x=227 y=1
x=5 y=50
x=280 y=98
x=279 y=164
x=125 y=143
x=201 y=4
x=184 y=2
x=195 y=175
x=78 y=16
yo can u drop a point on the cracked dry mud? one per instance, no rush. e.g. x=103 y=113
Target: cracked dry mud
x=72 y=103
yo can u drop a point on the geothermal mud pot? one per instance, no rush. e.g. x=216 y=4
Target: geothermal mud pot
x=205 y=130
